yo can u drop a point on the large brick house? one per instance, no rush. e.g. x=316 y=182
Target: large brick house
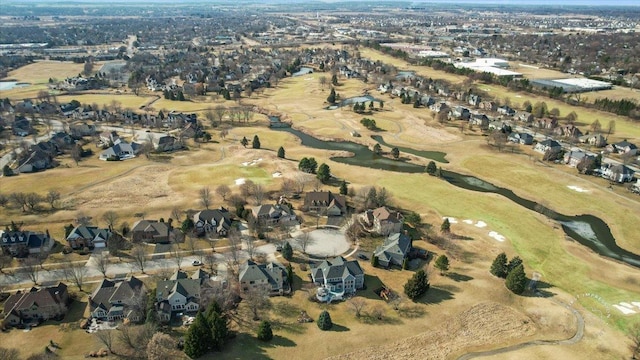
x=111 y=299
x=325 y=202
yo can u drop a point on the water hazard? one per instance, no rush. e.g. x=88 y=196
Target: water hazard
x=588 y=230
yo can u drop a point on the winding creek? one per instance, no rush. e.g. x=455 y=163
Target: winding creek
x=588 y=230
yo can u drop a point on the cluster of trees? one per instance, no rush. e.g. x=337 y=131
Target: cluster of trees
x=512 y=271
x=308 y=165
x=30 y=201
x=369 y=123
x=174 y=95
x=625 y=107
x=255 y=143
x=208 y=332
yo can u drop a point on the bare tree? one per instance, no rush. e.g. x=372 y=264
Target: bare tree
x=611 y=127
x=257 y=299
x=110 y=217
x=176 y=214
x=301 y=180
x=250 y=246
x=223 y=191
x=33 y=201
x=76 y=273
x=76 y=153
x=220 y=111
x=106 y=337
x=135 y=338
x=192 y=243
x=139 y=256
x=83 y=219
x=162 y=347
x=205 y=197
x=210 y=115
x=176 y=255
x=233 y=256
x=304 y=241
x=258 y=193
x=634 y=333
x=209 y=260
x=246 y=189
x=288 y=187
x=357 y=304
x=323 y=81
x=5 y=260
x=30 y=268
x=102 y=261
x=52 y=197
x=19 y=199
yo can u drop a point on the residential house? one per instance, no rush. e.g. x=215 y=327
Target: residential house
x=325 y=202
x=573 y=158
x=36 y=305
x=111 y=299
x=596 y=140
x=394 y=250
x=521 y=138
x=506 y=110
x=623 y=147
x=152 y=231
x=23 y=243
x=21 y=126
x=383 y=221
x=121 y=151
x=273 y=214
x=488 y=105
x=88 y=236
x=474 y=100
x=545 y=123
x=179 y=293
x=62 y=140
x=525 y=117
x=439 y=107
x=568 y=131
x=47 y=147
x=427 y=101
x=167 y=143
x=212 y=222
x=547 y=145
x=618 y=173
x=270 y=277
x=499 y=125
x=338 y=275
x=83 y=129
x=460 y=113
x=109 y=137
x=36 y=160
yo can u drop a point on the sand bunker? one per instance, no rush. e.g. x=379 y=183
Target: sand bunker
x=452 y=220
x=577 y=188
x=481 y=224
x=628 y=308
x=496 y=236
x=240 y=181
x=468 y=221
x=252 y=162
x=277 y=174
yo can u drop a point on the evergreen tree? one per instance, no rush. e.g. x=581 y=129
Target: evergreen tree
x=377 y=149
x=514 y=263
x=264 y=331
x=287 y=251
x=446 y=226
x=442 y=264
x=6 y=171
x=290 y=275
x=180 y=96
x=244 y=141
x=381 y=105
x=308 y=165
x=374 y=261
x=431 y=168
x=217 y=324
x=343 y=188
x=499 y=266
x=332 y=96
x=395 y=153
x=197 y=338
x=334 y=80
x=256 y=142
x=417 y=285
x=324 y=173
x=324 y=321
x=281 y=152
x=516 y=280
x=371 y=106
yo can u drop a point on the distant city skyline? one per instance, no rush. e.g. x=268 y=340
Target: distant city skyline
x=554 y=3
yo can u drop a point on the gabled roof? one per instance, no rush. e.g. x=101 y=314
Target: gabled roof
x=42 y=297
x=30 y=239
x=88 y=232
x=324 y=198
x=397 y=245
x=271 y=272
x=151 y=226
x=337 y=267
x=384 y=214
x=108 y=293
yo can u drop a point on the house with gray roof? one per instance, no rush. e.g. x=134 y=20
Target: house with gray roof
x=394 y=250
x=212 y=222
x=338 y=275
x=520 y=138
x=111 y=300
x=179 y=293
x=271 y=277
x=618 y=173
x=35 y=160
x=88 y=236
x=152 y=231
x=23 y=243
x=121 y=150
x=547 y=145
x=325 y=202
x=274 y=214
x=573 y=158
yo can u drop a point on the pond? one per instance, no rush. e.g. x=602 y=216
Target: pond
x=302 y=71
x=358 y=99
x=8 y=85
x=588 y=230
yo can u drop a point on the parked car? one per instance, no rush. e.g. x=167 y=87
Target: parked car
x=196 y=263
x=362 y=256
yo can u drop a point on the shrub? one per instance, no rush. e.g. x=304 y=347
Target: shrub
x=264 y=331
x=324 y=321
x=516 y=280
x=417 y=285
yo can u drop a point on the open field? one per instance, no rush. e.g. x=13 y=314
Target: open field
x=155 y=187
x=125 y=101
x=40 y=71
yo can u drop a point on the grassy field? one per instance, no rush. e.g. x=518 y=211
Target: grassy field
x=125 y=101
x=155 y=187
